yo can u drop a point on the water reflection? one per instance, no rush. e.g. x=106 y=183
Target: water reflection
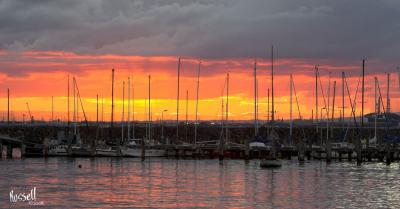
x=169 y=183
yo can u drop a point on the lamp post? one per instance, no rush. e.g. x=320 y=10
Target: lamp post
x=162 y=124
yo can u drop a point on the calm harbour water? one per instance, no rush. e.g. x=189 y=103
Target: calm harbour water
x=170 y=183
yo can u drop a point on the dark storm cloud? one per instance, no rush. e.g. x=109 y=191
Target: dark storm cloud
x=315 y=29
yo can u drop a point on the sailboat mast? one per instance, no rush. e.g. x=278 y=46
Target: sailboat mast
x=257 y=103
x=222 y=113
x=329 y=95
x=186 y=115
x=362 y=95
x=333 y=105
x=133 y=109
x=97 y=123
x=75 y=114
x=149 y=112
x=333 y=101
x=146 y=116
x=102 y=109
x=388 y=96
x=343 y=98
x=255 y=100
x=77 y=104
x=197 y=103
x=362 y=107
x=272 y=83
x=123 y=112
x=376 y=107
x=268 y=106
x=68 y=120
x=97 y=109
x=291 y=110
x=177 y=102
x=221 y=139
x=8 y=106
x=129 y=108
x=316 y=97
x=52 y=109
x=112 y=100
x=327 y=110
x=227 y=106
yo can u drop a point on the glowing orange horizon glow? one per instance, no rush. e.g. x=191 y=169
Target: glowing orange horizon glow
x=37 y=76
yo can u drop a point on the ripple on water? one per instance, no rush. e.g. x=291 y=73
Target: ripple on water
x=170 y=183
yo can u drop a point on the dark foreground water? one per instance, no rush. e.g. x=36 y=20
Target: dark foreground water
x=170 y=183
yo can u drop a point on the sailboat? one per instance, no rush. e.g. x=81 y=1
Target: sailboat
x=257 y=143
x=104 y=149
x=58 y=150
x=301 y=146
x=134 y=148
x=58 y=146
x=78 y=149
x=373 y=141
x=271 y=161
x=140 y=147
x=107 y=151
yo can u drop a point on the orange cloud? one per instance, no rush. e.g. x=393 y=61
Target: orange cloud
x=35 y=77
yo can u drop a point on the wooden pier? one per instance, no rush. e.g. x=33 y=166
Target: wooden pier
x=238 y=152
x=8 y=144
x=387 y=153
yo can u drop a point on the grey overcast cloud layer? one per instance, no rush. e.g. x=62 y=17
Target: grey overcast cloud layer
x=310 y=29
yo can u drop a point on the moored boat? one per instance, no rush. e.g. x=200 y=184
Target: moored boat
x=134 y=149
x=33 y=150
x=107 y=151
x=80 y=151
x=58 y=150
x=137 y=152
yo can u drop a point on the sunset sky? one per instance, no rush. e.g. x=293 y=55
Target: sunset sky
x=41 y=43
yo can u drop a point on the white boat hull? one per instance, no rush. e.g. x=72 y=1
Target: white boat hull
x=137 y=152
x=58 y=151
x=106 y=153
x=334 y=155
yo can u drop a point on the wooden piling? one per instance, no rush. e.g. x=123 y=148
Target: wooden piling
x=301 y=149
x=349 y=155
x=328 y=152
x=143 y=150
x=309 y=151
x=388 y=153
x=247 y=150
x=289 y=155
x=369 y=157
x=45 y=147
x=358 y=151
x=9 y=151
x=23 y=150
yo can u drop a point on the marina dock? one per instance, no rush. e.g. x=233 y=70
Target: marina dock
x=208 y=149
